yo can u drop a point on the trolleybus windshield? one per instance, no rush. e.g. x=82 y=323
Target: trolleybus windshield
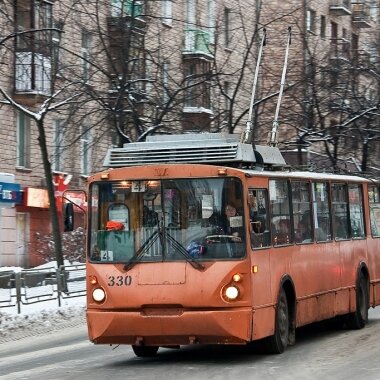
x=166 y=220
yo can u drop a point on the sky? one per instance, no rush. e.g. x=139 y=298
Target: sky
x=40 y=316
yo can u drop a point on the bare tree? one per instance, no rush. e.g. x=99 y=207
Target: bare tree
x=160 y=82
x=333 y=105
x=344 y=113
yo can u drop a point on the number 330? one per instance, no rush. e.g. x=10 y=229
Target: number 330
x=119 y=280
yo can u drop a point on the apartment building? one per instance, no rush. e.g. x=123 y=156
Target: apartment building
x=43 y=76
x=109 y=72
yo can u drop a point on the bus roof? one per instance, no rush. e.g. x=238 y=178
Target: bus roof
x=190 y=148
x=216 y=149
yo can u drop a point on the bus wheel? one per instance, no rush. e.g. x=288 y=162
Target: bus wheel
x=145 y=351
x=359 y=318
x=277 y=343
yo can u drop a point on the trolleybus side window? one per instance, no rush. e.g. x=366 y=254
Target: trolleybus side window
x=259 y=220
x=302 y=215
x=340 y=211
x=374 y=205
x=355 y=197
x=321 y=208
x=279 y=199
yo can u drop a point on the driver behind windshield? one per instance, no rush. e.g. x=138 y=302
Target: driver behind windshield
x=230 y=223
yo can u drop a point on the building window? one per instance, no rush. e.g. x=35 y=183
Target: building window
x=32 y=73
x=227 y=27
x=310 y=21
x=211 y=19
x=86 y=55
x=33 y=46
x=44 y=20
x=345 y=44
x=132 y=8
x=34 y=18
x=323 y=26
x=334 y=32
x=165 y=80
x=354 y=47
x=23 y=140
x=23 y=23
x=197 y=91
x=86 y=150
x=56 y=41
x=58 y=156
x=227 y=95
x=167 y=15
x=190 y=12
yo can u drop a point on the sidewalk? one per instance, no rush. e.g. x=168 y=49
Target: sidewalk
x=41 y=318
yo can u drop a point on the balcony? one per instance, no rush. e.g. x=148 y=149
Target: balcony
x=340 y=49
x=126 y=15
x=125 y=90
x=361 y=15
x=362 y=58
x=123 y=8
x=197 y=43
x=32 y=77
x=197 y=99
x=340 y=7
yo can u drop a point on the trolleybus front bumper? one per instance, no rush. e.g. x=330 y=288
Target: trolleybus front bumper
x=170 y=326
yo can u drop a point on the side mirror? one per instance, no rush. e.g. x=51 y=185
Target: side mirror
x=68 y=217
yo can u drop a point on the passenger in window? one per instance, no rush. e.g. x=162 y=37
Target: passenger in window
x=231 y=222
x=260 y=234
x=303 y=231
x=320 y=234
x=257 y=220
x=323 y=232
x=282 y=232
x=150 y=217
x=256 y=215
x=341 y=230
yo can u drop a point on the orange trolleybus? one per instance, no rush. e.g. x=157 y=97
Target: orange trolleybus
x=198 y=239
x=206 y=239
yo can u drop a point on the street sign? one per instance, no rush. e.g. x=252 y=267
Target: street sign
x=10 y=192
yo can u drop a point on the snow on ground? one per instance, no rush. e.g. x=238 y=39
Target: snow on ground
x=41 y=317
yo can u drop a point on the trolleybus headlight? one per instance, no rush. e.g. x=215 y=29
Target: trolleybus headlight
x=98 y=295
x=231 y=292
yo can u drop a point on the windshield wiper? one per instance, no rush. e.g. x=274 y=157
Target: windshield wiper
x=159 y=234
x=182 y=250
x=142 y=251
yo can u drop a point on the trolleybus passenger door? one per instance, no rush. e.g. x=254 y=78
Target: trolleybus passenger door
x=260 y=241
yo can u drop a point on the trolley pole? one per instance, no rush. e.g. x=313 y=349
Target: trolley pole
x=272 y=141
x=247 y=136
